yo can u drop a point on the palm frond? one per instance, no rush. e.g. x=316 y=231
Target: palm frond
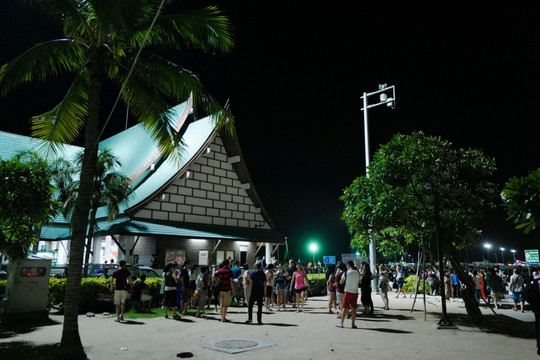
x=203 y=29
x=62 y=124
x=44 y=60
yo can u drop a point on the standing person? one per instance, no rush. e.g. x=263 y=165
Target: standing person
x=202 y=285
x=365 y=284
x=269 y=286
x=142 y=300
x=331 y=287
x=455 y=285
x=245 y=283
x=383 y=285
x=350 y=298
x=119 y=284
x=400 y=280
x=281 y=284
x=516 y=286
x=340 y=288
x=225 y=287
x=186 y=292
x=170 y=292
x=497 y=288
x=299 y=281
x=257 y=286
x=289 y=293
x=536 y=310
x=236 y=272
x=155 y=262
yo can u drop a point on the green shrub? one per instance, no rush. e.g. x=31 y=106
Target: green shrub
x=317 y=284
x=408 y=286
x=3 y=284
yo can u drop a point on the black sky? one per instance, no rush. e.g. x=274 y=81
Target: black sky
x=296 y=76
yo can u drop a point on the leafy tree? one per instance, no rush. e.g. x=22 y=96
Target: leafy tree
x=408 y=178
x=26 y=203
x=521 y=199
x=104 y=43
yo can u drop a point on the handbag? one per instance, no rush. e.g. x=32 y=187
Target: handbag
x=196 y=294
x=306 y=281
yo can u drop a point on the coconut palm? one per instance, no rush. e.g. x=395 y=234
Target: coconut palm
x=110 y=189
x=104 y=42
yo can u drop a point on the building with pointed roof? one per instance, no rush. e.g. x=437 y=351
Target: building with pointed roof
x=204 y=207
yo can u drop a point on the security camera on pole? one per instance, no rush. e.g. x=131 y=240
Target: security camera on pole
x=383 y=92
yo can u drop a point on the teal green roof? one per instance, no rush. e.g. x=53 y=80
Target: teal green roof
x=134 y=227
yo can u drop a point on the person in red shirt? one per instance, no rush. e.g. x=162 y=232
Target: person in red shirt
x=224 y=276
x=120 y=277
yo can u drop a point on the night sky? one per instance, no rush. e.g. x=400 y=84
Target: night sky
x=294 y=82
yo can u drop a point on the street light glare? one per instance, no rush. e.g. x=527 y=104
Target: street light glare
x=487 y=246
x=313 y=247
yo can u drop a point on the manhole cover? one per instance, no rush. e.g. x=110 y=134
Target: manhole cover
x=233 y=346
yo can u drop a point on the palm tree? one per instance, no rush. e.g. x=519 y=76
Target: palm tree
x=104 y=41
x=110 y=189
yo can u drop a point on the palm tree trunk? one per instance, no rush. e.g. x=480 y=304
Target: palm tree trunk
x=71 y=344
x=91 y=227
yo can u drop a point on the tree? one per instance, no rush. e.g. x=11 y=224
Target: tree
x=104 y=43
x=521 y=199
x=26 y=202
x=408 y=178
x=110 y=189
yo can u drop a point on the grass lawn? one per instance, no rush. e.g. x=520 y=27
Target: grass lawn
x=158 y=312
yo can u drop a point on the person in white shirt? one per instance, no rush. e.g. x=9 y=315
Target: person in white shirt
x=350 y=298
x=247 y=290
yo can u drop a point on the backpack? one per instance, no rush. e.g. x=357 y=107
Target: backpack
x=531 y=294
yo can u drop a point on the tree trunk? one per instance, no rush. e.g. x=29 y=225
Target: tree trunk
x=471 y=305
x=71 y=344
x=89 y=237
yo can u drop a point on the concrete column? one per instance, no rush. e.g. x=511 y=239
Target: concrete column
x=268 y=253
x=96 y=251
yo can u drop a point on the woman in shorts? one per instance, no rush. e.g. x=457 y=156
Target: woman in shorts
x=300 y=283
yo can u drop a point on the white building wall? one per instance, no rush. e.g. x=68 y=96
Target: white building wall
x=210 y=194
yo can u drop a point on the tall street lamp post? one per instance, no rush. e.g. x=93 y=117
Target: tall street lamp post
x=513 y=255
x=383 y=92
x=502 y=254
x=313 y=247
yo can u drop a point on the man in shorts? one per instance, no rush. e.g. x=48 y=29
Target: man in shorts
x=186 y=292
x=119 y=285
x=225 y=287
x=350 y=298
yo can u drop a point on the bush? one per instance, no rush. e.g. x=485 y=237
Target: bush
x=317 y=284
x=408 y=286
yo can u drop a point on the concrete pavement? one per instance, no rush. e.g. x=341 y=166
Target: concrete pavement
x=396 y=333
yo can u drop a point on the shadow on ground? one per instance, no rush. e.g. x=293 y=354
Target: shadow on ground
x=25 y=350
x=497 y=324
x=10 y=330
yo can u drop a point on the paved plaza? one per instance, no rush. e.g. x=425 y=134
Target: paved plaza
x=394 y=334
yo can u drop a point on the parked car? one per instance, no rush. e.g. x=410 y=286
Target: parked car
x=106 y=270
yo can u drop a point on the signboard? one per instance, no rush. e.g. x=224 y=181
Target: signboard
x=531 y=256
x=329 y=259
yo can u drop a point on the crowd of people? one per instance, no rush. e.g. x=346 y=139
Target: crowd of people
x=277 y=285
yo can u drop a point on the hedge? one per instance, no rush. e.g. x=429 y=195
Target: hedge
x=95 y=294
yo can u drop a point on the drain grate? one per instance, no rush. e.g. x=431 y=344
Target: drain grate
x=233 y=346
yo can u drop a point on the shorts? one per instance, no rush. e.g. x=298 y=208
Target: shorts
x=300 y=290
x=281 y=286
x=339 y=297
x=145 y=297
x=187 y=294
x=496 y=296
x=350 y=300
x=225 y=298
x=269 y=291
x=518 y=297
x=120 y=297
x=169 y=300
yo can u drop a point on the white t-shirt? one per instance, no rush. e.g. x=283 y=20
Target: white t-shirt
x=246 y=276
x=351 y=281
